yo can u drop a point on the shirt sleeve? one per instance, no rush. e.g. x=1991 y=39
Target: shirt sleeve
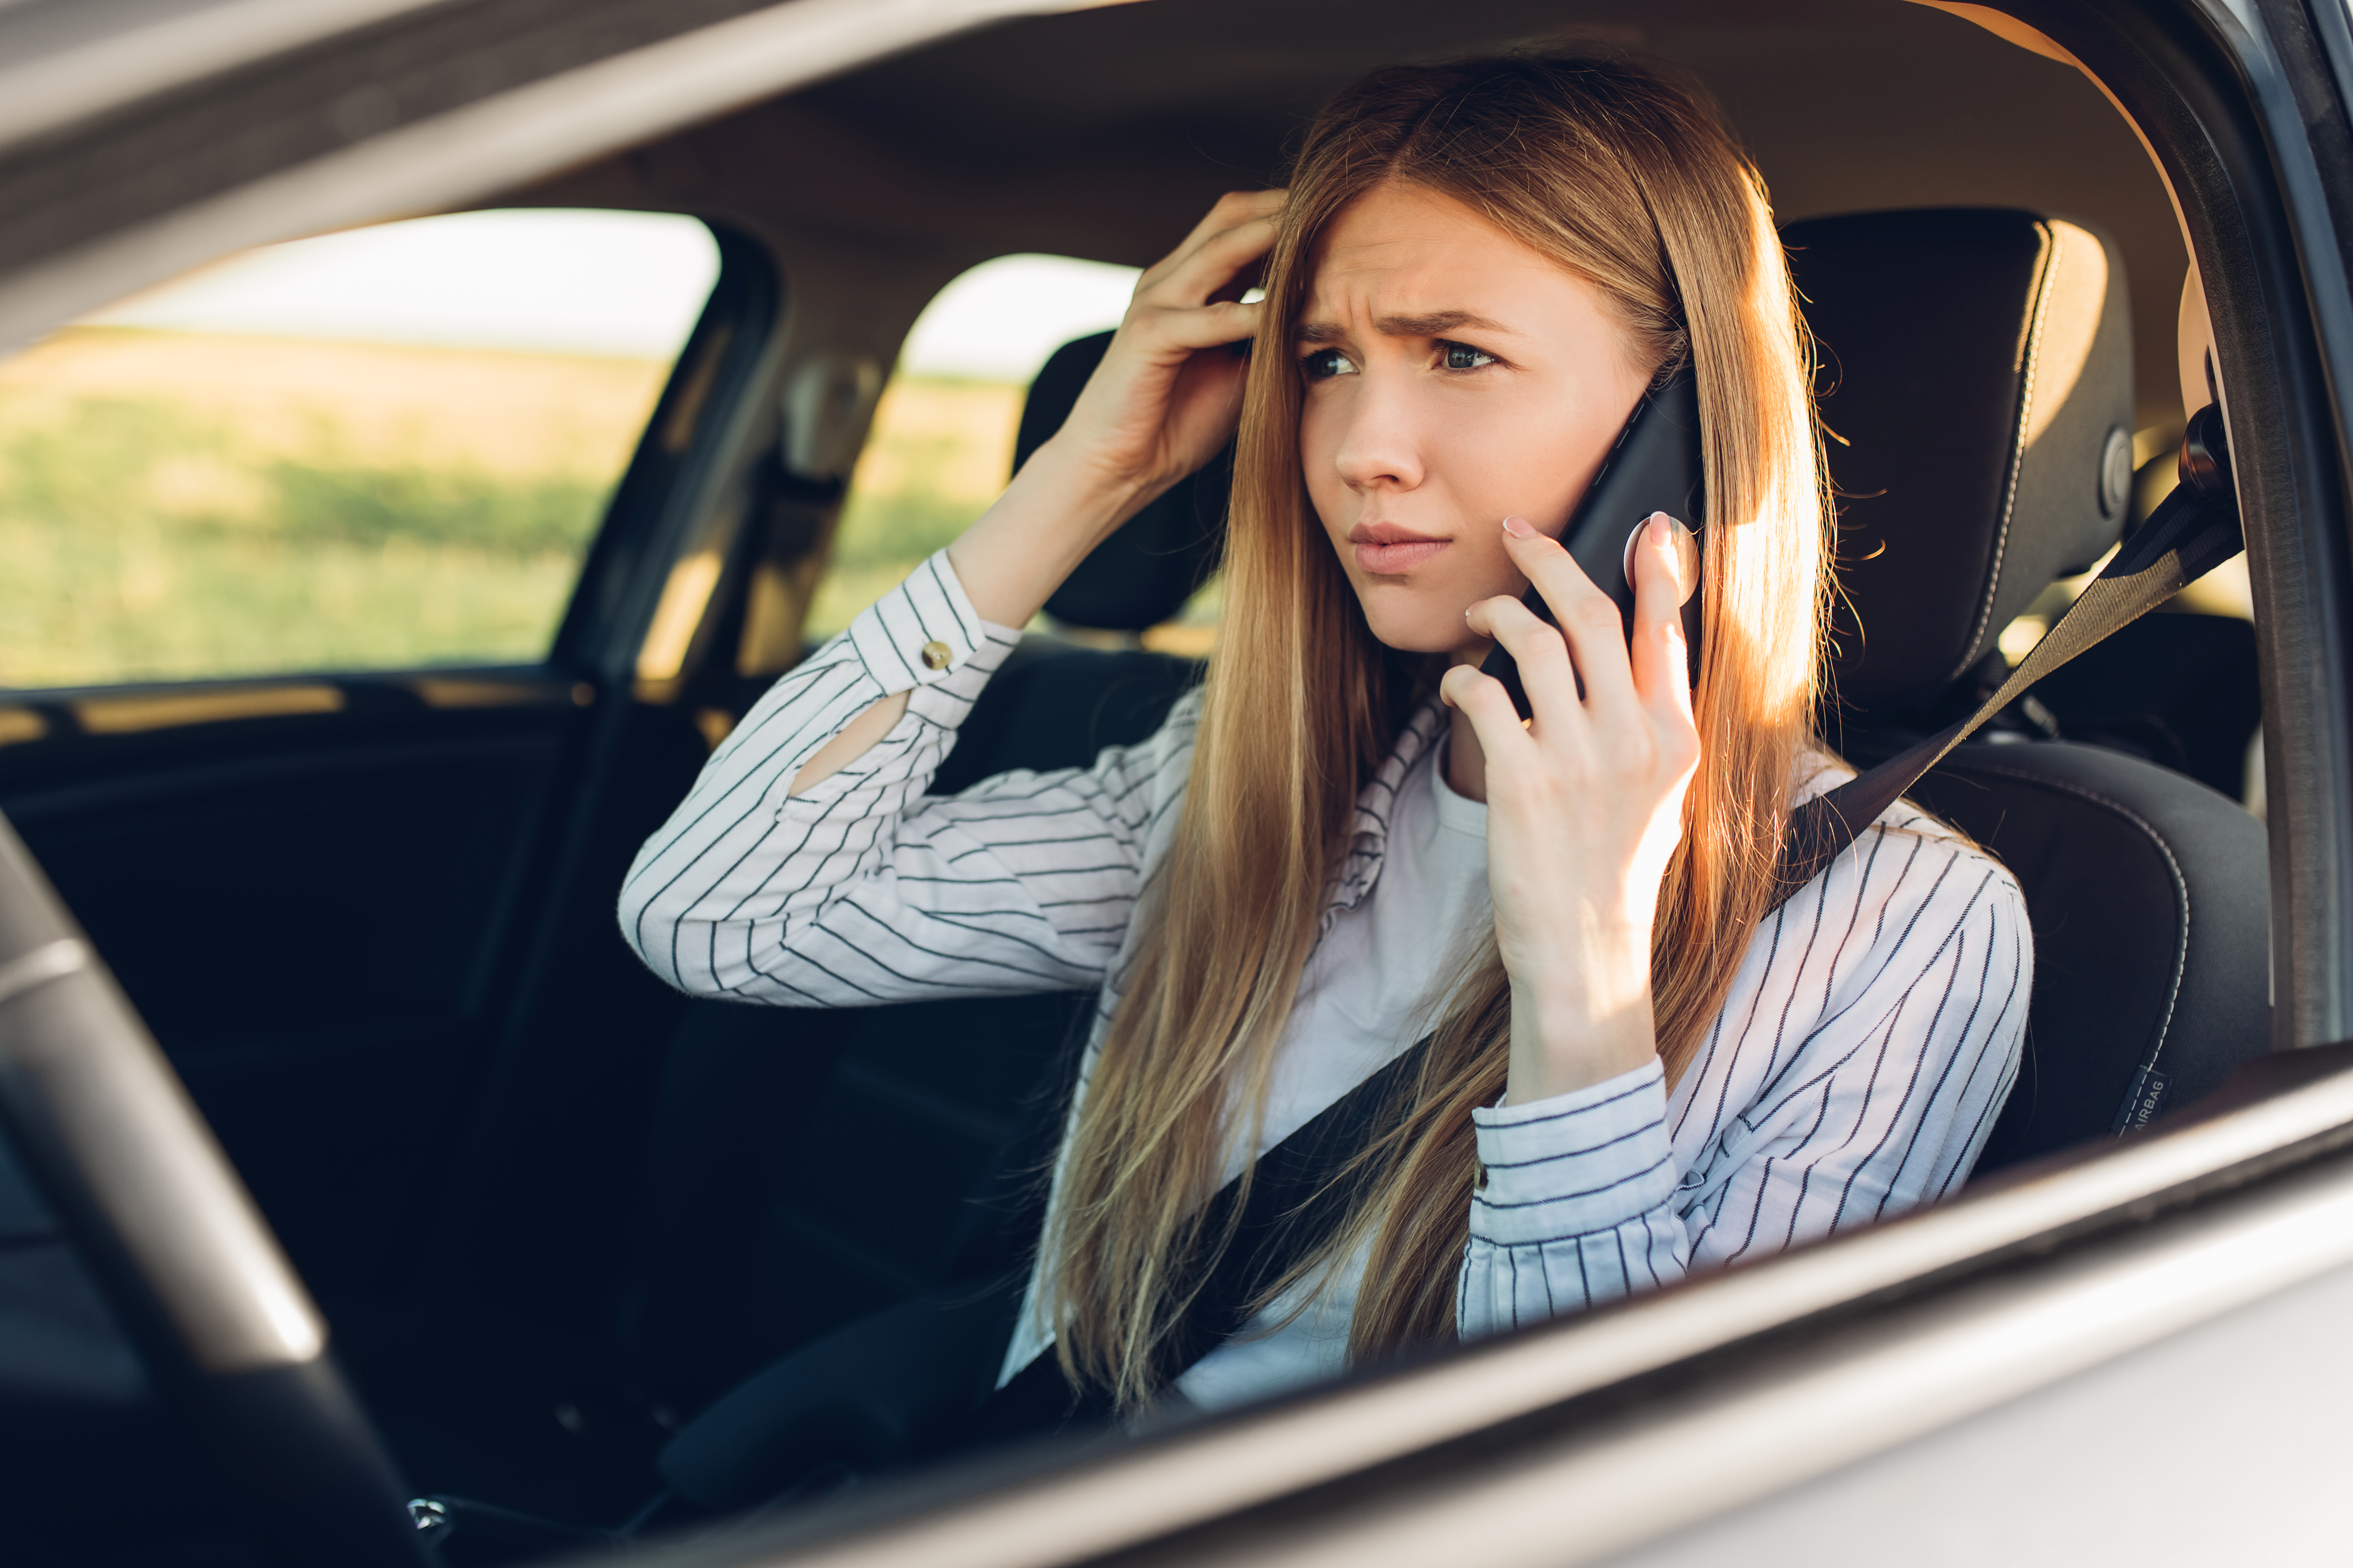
x=1831 y=1107
x=864 y=889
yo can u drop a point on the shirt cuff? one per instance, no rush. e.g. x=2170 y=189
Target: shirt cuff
x=1574 y=1164
x=922 y=631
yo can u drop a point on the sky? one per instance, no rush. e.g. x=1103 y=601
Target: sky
x=1001 y=320
x=591 y=282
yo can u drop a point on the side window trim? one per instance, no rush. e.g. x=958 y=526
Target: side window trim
x=672 y=500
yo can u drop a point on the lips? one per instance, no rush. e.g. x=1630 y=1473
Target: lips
x=1389 y=549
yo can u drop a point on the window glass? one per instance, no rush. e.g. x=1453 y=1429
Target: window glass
x=382 y=448
x=942 y=443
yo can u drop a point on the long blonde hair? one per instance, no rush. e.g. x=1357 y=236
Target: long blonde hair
x=1628 y=183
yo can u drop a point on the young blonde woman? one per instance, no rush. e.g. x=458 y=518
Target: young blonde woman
x=1346 y=842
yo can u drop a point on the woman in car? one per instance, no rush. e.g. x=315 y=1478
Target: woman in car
x=1611 y=1055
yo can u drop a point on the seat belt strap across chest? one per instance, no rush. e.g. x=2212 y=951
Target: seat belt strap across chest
x=1293 y=1202
x=2194 y=530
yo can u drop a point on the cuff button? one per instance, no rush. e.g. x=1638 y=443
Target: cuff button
x=937 y=655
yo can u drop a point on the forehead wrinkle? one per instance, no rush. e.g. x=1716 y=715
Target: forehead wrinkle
x=1428 y=325
x=1434 y=322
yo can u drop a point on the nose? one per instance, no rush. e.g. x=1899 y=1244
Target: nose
x=1379 y=446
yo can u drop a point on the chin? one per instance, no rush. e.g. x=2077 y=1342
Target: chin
x=1413 y=622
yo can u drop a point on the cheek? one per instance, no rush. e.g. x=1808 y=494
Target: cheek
x=1319 y=436
x=1515 y=456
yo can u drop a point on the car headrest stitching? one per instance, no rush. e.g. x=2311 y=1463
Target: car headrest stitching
x=2052 y=239
x=1976 y=363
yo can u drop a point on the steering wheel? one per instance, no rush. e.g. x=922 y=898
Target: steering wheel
x=173 y=1239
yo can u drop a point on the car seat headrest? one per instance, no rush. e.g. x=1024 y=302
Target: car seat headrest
x=1975 y=381
x=1143 y=574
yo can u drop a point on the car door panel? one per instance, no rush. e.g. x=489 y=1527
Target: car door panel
x=343 y=900
x=311 y=911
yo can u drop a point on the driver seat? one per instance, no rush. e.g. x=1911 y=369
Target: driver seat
x=1976 y=382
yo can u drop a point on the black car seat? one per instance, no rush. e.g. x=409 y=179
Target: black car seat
x=1977 y=386
x=2178 y=688
x=1978 y=364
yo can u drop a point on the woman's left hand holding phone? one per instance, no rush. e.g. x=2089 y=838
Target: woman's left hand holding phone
x=1584 y=804
x=1154 y=410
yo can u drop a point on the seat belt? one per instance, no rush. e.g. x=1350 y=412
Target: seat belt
x=2194 y=530
x=1295 y=1204
x=1295 y=1197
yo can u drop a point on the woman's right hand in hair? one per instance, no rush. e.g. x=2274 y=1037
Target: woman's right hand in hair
x=1164 y=400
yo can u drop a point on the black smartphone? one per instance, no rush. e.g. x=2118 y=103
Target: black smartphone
x=1654 y=467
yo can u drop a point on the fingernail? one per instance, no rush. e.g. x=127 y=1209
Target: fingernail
x=1518 y=528
x=1661 y=526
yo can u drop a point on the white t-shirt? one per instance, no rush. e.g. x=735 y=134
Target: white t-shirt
x=1375 y=984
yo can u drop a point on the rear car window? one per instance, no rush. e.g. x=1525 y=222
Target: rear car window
x=940 y=447
x=384 y=448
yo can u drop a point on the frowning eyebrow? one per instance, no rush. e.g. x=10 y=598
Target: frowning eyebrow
x=1437 y=323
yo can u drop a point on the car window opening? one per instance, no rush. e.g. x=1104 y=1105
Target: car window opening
x=379 y=449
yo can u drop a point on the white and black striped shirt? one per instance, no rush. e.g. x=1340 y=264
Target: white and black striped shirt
x=1864 y=1049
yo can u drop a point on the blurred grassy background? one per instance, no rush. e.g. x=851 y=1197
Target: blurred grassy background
x=181 y=505
x=177 y=505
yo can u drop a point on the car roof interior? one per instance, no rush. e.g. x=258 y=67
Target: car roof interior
x=1099 y=133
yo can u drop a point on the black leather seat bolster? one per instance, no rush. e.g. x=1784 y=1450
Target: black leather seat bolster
x=1151 y=564
x=1051 y=705
x=2150 y=900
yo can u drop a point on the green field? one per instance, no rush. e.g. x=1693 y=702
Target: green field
x=939 y=452
x=176 y=506
x=133 y=545
x=179 y=507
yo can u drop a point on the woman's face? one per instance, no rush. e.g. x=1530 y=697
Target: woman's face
x=1454 y=377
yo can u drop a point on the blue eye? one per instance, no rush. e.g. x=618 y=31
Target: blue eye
x=1326 y=363
x=1462 y=356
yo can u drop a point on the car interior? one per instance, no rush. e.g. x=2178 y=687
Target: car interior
x=588 y=1247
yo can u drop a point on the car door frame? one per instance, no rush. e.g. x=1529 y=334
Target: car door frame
x=2229 y=94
